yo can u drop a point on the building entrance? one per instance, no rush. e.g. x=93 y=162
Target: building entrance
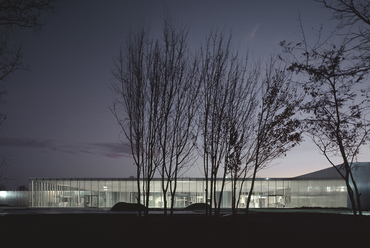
x=91 y=201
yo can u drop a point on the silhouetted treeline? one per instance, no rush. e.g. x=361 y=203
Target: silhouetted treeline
x=177 y=107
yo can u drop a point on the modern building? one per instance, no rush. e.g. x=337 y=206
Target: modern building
x=324 y=188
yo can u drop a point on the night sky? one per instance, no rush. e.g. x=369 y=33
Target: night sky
x=58 y=118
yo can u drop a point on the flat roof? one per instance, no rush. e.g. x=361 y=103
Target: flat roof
x=159 y=179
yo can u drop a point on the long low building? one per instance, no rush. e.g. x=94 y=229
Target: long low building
x=324 y=188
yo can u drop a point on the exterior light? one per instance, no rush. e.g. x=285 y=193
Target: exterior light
x=2 y=194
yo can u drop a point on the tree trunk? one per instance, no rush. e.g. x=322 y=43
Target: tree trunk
x=351 y=197
x=237 y=200
x=233 y=195
x=173 y=195
x=349 y=176
x=221 y=192
x=252 y=186
x=356 y=193
x=219 y=198
x=138 y=190
x=172 y=202
x=164 y=192
x=206 y=197
x=211 y=194
x=147 y=193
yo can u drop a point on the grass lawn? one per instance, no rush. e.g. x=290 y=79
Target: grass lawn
x=264 y=228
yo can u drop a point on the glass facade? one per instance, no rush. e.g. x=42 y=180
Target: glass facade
x=318 y=193
x=14 y=198
x=267 y=193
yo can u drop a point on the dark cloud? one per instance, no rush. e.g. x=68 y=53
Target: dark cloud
x=106 y=149
x=110 y=149
x=26 y=142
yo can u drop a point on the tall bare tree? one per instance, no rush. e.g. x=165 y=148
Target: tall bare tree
x=214 y=59
x=334 y=71
x=337 y=108
x=136 y=107
x=157 y=90
x=227 y=106
x=178 y=106
x=277 y=127
x=240 y=125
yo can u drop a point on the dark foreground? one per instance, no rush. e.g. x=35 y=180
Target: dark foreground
x=264 y=229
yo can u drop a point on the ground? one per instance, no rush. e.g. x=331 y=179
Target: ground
x=55 y=228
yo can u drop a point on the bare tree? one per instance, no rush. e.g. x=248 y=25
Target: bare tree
x=178 y=106
x=16 y=15
x=137 y=106
x=227 y=106
x=156 y=106
x=214 y=60
x=336 y=98
x=353 y=28
x=277 y=128
x=349 y=12
x=337 y=110
x=240 y=124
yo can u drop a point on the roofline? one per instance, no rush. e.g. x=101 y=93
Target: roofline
x=159 y=179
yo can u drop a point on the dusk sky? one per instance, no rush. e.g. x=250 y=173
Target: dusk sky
x=58 y=118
